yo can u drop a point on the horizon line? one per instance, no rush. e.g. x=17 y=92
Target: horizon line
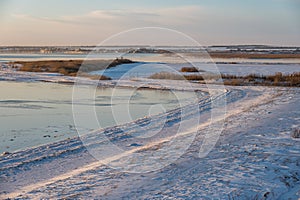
x=140 y=45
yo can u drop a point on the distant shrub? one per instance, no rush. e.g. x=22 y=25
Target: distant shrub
x=296 y=133
x=190 y=69
x=234 y=82
x=119 y=61
x=253 y=77
x=229 y=76
x=63 y=71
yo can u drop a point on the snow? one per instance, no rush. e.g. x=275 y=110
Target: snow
x=254 y=158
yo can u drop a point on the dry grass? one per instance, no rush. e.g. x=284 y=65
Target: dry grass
x=69 y=67
x=192 y=77
x=247 y=55
x=167 y=75
x=234 y=82
x=278 y=79
x=191 y=69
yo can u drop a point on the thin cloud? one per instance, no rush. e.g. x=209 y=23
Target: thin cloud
x=168 y=16
x=120 y=13
x=208 y=24
x=47 y=19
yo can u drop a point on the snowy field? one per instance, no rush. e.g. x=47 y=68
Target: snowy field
x=254 y=158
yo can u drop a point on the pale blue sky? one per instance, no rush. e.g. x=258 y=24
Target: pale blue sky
x=82 y=22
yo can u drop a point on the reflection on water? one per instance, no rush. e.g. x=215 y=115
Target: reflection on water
x=37 y=113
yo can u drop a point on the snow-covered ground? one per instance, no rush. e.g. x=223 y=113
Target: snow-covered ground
x=255 y=157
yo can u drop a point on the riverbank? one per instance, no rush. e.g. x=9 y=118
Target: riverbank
x=251 y=160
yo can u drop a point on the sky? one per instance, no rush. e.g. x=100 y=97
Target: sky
x=209 y=22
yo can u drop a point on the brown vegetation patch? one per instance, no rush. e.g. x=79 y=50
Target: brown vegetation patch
x=278 y=79
x=69 y=67
x=192 y=77
x=296 y=133
x=167 y=75
x=191 y=69
x=246 y=55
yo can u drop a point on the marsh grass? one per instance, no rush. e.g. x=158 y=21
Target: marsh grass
x=69 y=67
x=167 y=75
x=191 y=69
x=278 y=79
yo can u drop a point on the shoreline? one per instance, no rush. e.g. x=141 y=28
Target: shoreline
x=69 y=163
x=92 y=165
